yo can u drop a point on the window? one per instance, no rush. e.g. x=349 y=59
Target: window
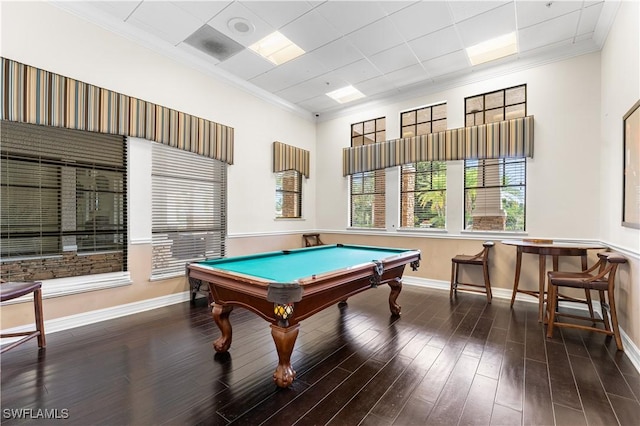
x=423 y=185
x=63 y=194
x=188 y=209
x=494 y=190
x=368 y=188
x=289 y=194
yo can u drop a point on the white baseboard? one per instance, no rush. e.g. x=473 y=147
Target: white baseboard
x=86 y=318
x=630 y=349
x=91 y=317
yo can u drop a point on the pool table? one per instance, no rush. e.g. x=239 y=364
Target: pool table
x=288 y=286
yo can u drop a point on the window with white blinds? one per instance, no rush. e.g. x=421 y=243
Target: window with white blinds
x=188 y=209
x=63 y=192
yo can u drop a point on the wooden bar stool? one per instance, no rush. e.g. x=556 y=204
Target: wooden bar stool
x=312 y=240
x=480 y=259
x=13 y=290
x=601 y=278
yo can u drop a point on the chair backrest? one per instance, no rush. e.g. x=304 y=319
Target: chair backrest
x=609 y=262
x=485 y=252
x=311 y=240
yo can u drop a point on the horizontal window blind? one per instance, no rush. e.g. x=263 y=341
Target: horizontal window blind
x=62 y=191
x=494 y=189
x=188 y=209
x=424 y=195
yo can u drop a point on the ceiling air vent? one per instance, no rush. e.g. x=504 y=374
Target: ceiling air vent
x=214 y=43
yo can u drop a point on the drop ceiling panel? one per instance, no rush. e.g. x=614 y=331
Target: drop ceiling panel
x=436 y=44
x=348 y=16
x=202 y=10
x=278 y=13
x=337 y=54
x=534 y=12
x=394 y=59
x=314 y=87
x=589 y=19
x=246 y=65
x=319 y=103
x=462 y=10
x=165 y=20
x=407 y=76
x=310 y=31
x=422 y=18
x=549 y=32
x=358 y=71
x=494 y=23
x=119 y=9
x=376 y=86
x=443 y=65
x=374 y=38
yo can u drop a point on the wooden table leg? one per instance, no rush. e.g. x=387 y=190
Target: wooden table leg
x=541 y=284
x=221 y=317
x=516 y=280
x=396 y=287
x=285 y=339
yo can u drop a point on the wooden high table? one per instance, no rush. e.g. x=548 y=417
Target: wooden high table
x=544 y=248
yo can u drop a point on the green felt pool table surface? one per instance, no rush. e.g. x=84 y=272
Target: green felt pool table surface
x=291 y=265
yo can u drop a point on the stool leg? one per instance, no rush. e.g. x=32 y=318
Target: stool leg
x=516 y=279
x=454 y=278
x=487 y=282
x=614 y=320
x=37 y=303
x=551 y=309
x=603 y=309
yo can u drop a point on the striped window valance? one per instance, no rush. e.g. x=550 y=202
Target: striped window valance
x=503 y=139
x=287 y=157
x=32 y=95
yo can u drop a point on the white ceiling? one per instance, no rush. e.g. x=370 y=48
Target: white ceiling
x=383 y=48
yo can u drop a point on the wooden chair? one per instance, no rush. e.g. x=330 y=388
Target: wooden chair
x=601 y=278
x=13 y=290
x=480 y=259
x=311 y=240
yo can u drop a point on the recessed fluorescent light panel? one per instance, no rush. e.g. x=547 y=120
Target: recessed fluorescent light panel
x=345 y=94
x=277 y=48
x=493 y=49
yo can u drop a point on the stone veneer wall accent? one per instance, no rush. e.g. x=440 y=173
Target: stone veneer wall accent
x=67 y=265
x=489 y=223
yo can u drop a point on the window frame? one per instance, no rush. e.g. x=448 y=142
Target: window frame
x=501 y=162
x=283 y=193
x=377 y=177
x=405 y=173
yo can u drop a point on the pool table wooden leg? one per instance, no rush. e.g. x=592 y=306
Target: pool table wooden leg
x=221 y=317
x=396 y=287
x=285 y=339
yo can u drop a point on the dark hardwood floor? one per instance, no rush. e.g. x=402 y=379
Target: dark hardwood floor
x=458 y=363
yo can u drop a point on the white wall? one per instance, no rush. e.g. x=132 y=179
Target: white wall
x=41 y=35
x=620 y=91
x=563 y=96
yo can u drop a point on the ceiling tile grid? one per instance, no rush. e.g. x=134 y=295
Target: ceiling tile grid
x=379 y=47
